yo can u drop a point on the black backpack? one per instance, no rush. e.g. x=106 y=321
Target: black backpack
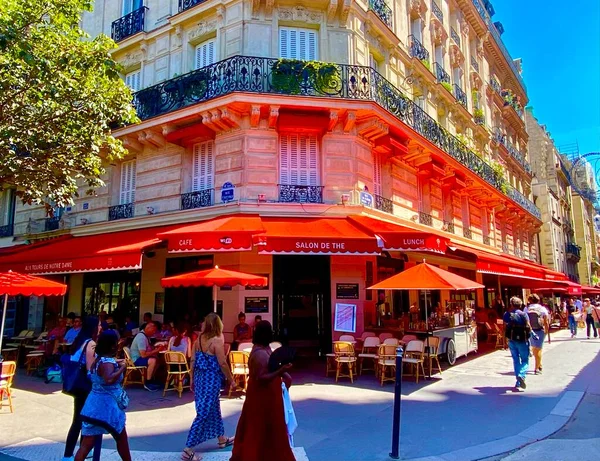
x=517 y=328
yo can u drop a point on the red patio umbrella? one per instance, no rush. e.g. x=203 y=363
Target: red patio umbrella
x=213 y=278
x=13 y=284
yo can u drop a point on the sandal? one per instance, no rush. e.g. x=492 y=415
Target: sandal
x=228 y=442
x=189 y=455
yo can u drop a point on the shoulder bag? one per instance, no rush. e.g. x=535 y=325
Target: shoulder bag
x=74 y=374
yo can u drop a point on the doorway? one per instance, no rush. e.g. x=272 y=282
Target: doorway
x=302 y=293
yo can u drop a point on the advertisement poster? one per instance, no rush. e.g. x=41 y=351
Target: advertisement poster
x=345 y=318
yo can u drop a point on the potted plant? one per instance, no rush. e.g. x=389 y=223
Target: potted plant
x=447 y=86
x=426 y=63
x=293 y=76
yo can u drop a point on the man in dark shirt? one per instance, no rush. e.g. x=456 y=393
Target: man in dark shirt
x=572 y=310
x=517 y=330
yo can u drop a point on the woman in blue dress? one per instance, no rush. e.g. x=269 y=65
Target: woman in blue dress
x=101 y=413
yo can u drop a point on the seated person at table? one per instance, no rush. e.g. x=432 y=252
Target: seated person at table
x=180 y=341
x=129 y=324
x=165 y=332
x=147 y=319
x=242 y=332
x=144 y=355
x=56 y=336
x=73 y=332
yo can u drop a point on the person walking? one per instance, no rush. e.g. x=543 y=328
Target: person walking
x=209 y=367
x=591 y=316
x=262 y=434
x=539 y=319
x=517 y=331
x=84 y=345
x=572 y=311
x=104 y=409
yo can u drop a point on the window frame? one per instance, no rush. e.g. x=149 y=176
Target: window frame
x=207 y=42
x=312 y=175
x=306 y=56
x=196 y=166
x=127 y=192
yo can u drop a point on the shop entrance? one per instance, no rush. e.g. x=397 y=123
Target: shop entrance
x=302 y=311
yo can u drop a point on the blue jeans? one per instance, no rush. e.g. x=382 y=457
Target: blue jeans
x=520 y=355
x=573 y=325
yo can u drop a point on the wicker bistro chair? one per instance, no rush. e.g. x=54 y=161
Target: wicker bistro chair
x=133 y=370
x=177 y=371
x=369 y=352
x=391 y=342
x=491 y=332
x=414 y=355
x=347 y=338
x=7 y=374
x=407 y=338
x=33 y=361
x=432 y=353
x=386 y=360
x=245 y=347
x=238 y=361
x=344 y=356
x=384 y=336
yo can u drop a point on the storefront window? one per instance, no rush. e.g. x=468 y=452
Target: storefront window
x=390 y=304
x=116 y=293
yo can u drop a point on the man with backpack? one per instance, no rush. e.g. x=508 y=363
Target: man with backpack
x=539 y=319
x=517 y=331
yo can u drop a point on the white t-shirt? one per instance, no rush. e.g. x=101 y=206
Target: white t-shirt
x=184 y=345
x=140 y=343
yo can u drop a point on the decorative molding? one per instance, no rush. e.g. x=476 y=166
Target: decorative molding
x=255 y=116
x=220 y=15
x=333 y=119
x=418 y=8
x=344 y=13
x=299 y=13
x=456 y=56
x=350 y=121
x=269 y=7
x=273 y=116
x=438 y=32
x=331 y=11
x=203 y=28
x=177 y=41
x=255 y=8
x=132 y=60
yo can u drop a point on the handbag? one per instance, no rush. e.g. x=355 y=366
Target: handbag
x=74 y=374
x=122 y=399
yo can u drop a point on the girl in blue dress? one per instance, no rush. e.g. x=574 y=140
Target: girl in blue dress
x=101 y=413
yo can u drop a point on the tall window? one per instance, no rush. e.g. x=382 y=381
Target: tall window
x=377 y=189
x=203 y=168
x=7 y=210
x=466 y=212
x=205 y=54
x=127 y=191
x=134 y=80
x=131 y=5
x=299 y=160
x=296 y=43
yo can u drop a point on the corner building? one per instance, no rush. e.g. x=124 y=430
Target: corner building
x=327 y=144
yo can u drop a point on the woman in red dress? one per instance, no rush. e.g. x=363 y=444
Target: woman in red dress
x=261 y=432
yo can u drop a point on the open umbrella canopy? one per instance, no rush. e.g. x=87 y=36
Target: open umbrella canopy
x=14 y=283
x=426 y=277
x=213 y=277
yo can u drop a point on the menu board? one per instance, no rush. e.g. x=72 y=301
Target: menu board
x=346 y=290
x=345 y=318
x=256 y=305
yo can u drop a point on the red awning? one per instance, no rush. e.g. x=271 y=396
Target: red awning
x=230 y=233
x=324 y=236
x=103 y=252
x=590 y=290
x=400 y=238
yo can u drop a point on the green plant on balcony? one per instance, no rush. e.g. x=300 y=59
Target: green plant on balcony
x=510 y=99
x=500 y=174
x=291 y=76
x=478 y=113
x=447 y=86
x=426 y=63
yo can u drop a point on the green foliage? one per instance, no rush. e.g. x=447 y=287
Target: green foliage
x=426 y=63
x=447 y=86
x=478 y=113
x=500 y=174
x=290 y=76
x=60 y=92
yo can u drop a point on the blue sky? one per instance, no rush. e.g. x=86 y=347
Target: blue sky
x=559 y=43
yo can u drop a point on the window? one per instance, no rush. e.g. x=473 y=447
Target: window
x=377 y=189
x=7 y=211
x=415 y=28
x=131 y=5
x=127 y=191
x=297 y=43
x=420 y=102
x=373 y=62
x=466 y=212
x=299 y=160
x=205 y=54
x=456 y=76
x=134 y=80
x=203 y=168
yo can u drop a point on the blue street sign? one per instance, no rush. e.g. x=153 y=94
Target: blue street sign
x=227 y=192
x=366 y=199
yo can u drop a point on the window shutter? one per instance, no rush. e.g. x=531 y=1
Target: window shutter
x=203 y=166
x=297 y=43
x=377 y=174
x=299 y=160
x=133 y=80
x=127 y=194
x=205 y=54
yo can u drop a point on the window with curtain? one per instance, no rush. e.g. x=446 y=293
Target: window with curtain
x=205 y=54
x=131 y=5
x=203 y=166
x=297 y=43
x=299 y=159
x=127 y=191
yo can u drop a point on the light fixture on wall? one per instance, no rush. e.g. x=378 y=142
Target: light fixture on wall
x=345 y=198
x=150 y=210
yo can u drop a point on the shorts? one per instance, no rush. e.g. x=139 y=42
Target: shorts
x=141 y=362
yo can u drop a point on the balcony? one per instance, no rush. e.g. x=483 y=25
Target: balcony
x=197 y=199
x=258 y=75
x=479 y=117
x=454 y=36
x=128 y=25
x=467 y=233
x=440 y=74
x=52 y=224
x=495 y=84
x=7 y=230
x=512 y=150
x=383 y=204
x=290 y=193
x=448 y=226
x=505 y=248
x=573 y=251
x=417 y=50
x=437 y=11
x=382 y=11
x=117 y=212
x=425 y=218
x=487 y=240
x=187 y=4
x=474 y=64
x=460 y=95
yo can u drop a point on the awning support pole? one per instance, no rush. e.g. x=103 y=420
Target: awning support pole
x=3 y=320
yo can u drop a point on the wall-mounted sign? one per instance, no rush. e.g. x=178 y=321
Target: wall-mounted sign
x=86 y=206
x=366 y=199
x=346 y=291
x=227 y=192
x=256 y=305
x=345 y=318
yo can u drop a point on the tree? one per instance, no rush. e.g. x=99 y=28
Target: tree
x=60 y=93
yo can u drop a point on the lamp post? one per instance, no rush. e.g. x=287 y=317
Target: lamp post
x=395 y=454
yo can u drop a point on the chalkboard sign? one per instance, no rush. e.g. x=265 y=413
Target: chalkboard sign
x=256 y=305
x=346 y=290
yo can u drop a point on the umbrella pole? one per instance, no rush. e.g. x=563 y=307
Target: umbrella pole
x=427 y=337
x=3 y=320
x=215 y=298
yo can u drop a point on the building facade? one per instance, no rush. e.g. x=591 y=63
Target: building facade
x=404 y=113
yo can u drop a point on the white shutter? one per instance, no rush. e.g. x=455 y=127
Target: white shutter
x=376 y=174
x=205 y=54
x=127 y=194
x=134 y=80
x=299 y=160
x=203 y=168
x=295 y=43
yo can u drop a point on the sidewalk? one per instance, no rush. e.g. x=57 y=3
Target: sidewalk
x=470 y=413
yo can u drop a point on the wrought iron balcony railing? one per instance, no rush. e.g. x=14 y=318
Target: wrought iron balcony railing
x=437 y=11
x=416 y=49
x=121 y=211
x=449 y=227
x=52 y=224
x=425 y=218
x=7 y=230
x=573 y=251
x=293 y=193
x=187 y=4
x=384 y=204
x=474 y=63
x=382 y=10
x=454 y=36
x=479 y=119
x=467 y=233
x=460 y=95
x=486 y=240
x=289 y=77
x=128 y=25
x=197 y=199
x=440 y=74
x=512 y=150
x=505 y=248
